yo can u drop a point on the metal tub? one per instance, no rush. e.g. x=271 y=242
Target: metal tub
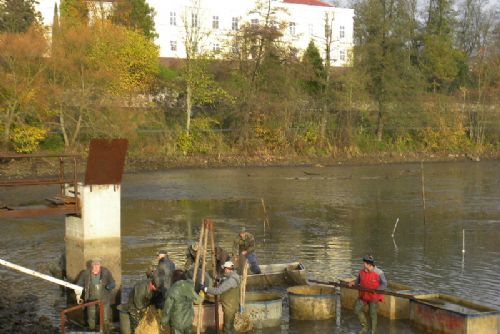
x=311 y=302
x=264 y=309
x=438 y=313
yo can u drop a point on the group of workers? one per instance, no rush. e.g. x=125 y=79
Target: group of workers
x=173 y=291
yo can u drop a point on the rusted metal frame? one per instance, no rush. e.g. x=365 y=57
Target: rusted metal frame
x=45 y=211
x=36 y=182
x=21 y=156
x=33 y=182
x=77 y=307
x=61 y=174
x=75 y=185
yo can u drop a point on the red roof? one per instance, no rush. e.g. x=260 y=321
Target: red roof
x=308 y=2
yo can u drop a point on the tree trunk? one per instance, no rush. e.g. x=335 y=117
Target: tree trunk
x=77 y=130
x=189 y=106
x=62 y=124
x=380 y=124
x=6 y=129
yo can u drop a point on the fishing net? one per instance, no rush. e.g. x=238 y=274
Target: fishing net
x=150 y=323
x=242 y=323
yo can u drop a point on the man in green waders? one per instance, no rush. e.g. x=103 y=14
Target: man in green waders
x=229 y=290
x=178 y=311
x=97 y=283
x=138 y=301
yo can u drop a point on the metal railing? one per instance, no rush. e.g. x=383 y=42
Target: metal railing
x=60 y=179
x=81 y=306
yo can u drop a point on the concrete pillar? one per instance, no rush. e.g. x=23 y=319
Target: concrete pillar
x=97 y=233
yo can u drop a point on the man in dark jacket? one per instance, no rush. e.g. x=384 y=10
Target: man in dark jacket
x=138 y=301
x=178 y=311
x=370 y=277
x=162 y=277
x=244 y=249
x=97 y=283
x=229 y=290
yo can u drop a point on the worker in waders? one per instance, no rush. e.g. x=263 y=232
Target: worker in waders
x=369 y=277
x=97 y=283
x=162 y=276
x=191 y=255
x=244 y=249
x=139 y=299
x=229 y=290
x=178 y=311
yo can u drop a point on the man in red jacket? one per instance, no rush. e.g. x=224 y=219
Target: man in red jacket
x=370 y=277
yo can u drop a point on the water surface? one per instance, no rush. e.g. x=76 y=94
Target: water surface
x=327 y=218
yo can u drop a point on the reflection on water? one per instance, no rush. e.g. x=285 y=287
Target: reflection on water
x=328 y=218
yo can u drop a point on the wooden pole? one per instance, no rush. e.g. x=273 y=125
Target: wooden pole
x=422 y=179
x=266 y=219
x=197 y=259
x=203 y=267
x=214 y=260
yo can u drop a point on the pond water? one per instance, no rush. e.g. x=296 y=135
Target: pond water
x=327 y=218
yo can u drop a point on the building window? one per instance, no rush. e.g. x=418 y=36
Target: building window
x=173 y=45
x=291 y=27
x=216 y=47
x=215 y=22
x=234 y=24
x=311 y=29
x=342 y=55
x=173 y=19
x=342 y=32
x=254 y=22
x=194 y=19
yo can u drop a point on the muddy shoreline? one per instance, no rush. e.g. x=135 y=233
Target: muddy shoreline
x=14 y=169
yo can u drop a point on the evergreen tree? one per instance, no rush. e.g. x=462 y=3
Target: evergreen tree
x=74 y=12
x=439 y=59
x=136 y=15
x=55 y=23
x=17 y=15
x=315 y=73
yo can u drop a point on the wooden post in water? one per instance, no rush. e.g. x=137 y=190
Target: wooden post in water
x=266 y=219
x=422 y=179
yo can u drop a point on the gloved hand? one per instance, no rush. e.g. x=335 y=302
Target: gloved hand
x=109 y=287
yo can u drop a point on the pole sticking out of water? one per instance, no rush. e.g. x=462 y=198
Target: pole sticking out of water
x=463 y=241
x=266 y=219
x=395 y=226
x=423 y=188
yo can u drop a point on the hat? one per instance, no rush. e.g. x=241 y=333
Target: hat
x=369 y=259
x=243 y=229
x=228 y=264
x=194 y=246
x=96 y=260
x=162 y=252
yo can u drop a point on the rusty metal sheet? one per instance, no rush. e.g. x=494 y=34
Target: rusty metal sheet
x=106 y=161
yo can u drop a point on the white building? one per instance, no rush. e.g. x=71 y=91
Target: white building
x=218 y=20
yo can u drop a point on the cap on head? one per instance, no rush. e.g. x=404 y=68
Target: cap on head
x=228 y=264
x=243 y=229
x=96 y=260
x=162 y=252
x=369 y=259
